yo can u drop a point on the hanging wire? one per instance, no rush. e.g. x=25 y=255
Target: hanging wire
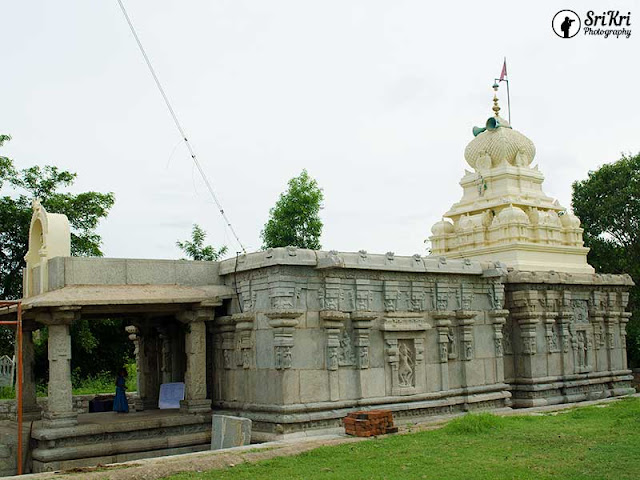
x=179 y=126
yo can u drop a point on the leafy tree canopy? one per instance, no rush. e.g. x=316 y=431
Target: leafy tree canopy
x=195 y=248
x=608 y=204
x=18 y=189
x=295 y=218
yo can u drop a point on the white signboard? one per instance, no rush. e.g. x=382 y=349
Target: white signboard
x=170 y=395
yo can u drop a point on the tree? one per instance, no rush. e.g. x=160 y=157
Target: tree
x=295 y=218
x=608 y=204
x=195 y=248
x=84 y=211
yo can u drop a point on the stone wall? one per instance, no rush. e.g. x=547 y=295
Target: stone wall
x=315 y=334
x=568 y=337
x=63 y=271
x=80 y=404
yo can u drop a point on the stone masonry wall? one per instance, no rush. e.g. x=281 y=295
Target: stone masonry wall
x=80 y=404
x=316 y=332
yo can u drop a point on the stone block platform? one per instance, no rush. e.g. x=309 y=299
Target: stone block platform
x=109 y=437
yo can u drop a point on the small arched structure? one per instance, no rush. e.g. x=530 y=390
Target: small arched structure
x=49 y=237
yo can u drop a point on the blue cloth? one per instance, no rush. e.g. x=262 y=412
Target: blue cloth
x=120 y=403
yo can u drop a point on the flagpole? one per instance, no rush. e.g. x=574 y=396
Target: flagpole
x=502 y=79
x=508 y=101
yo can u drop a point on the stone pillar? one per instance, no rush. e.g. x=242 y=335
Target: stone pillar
x=443 y=326
x=195 y=345
x=362 y=323
x=60 y=402
x=466 y=319
x=333 y=323
x=564 y=322
x=30 y=408
x=132 y=330
x=596 y=318
x=148 y=367
x=499 y=318
x=244 y=326
x=624 y=319
x=611 y=321
x=166 y=355
x=224 y=387
x=283 y=322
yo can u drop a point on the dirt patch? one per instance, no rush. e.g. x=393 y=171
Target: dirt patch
x=198 y=462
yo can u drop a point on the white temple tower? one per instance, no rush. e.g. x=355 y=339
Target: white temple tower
x=504 y=214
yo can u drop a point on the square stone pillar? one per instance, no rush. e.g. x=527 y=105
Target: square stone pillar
x=195 y=346
x=498 y=319
x=30 y=408
x=333 y=322
x=60 y=402
x=146 y=341
x=447 y=345
x=284 y=323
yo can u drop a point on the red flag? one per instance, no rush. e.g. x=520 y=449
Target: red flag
x=504 y=70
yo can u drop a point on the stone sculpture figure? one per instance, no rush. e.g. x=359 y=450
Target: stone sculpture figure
x=405 y=369
x=452 y=347
x=364 y=357
x=346 y=354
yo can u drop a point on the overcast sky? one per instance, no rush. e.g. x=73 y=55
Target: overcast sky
x=376 y=99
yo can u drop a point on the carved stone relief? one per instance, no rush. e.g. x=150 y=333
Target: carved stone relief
x=346 y=353
x=406 y=366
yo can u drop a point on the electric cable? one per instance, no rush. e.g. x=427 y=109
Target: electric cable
x=179 y=126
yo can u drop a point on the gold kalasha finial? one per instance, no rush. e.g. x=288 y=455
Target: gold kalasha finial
x=496 y=107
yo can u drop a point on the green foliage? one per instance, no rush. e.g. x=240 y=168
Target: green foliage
x=608 y=203
x=93 y=384
x=195 y=248
x=599 y=442
x=474 y=423
x=295 y=219
x=102 y=382
x=99 y=346
x=96 y=345
x=7 y=393
x=84 y=211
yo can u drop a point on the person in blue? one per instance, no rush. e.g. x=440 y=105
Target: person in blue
x=120 y=403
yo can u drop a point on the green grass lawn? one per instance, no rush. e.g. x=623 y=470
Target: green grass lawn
x=599 y=442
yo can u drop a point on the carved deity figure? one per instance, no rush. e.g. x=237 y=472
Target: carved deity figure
x=444 y=352
x=405 y=369
x=452 y=347
x=364 y=357
x=346 y=355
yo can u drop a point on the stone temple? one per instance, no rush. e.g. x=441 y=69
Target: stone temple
x=504 y=313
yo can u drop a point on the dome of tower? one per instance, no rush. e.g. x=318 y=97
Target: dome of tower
x=502 y=144
x=442 y=228
x=569 y=220
x=512 y=214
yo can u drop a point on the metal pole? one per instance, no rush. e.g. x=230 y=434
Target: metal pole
x=20 y=379
x=508 y=100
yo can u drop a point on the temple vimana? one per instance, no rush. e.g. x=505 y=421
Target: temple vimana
x=505 y=312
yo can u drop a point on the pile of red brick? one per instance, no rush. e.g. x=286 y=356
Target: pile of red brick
x=369 y=423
